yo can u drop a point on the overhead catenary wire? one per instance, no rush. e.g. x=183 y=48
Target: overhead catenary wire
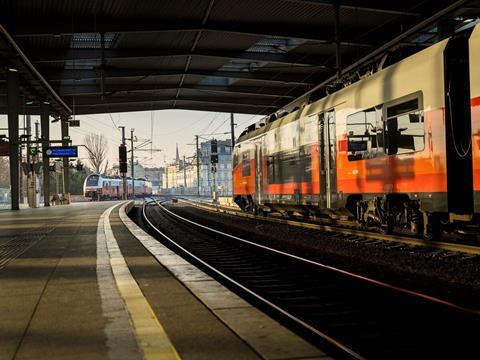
x=219 y=126
x=210 y=123
x=113 y=122
x=182 y=128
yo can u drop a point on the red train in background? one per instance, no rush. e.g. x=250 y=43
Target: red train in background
x=98 y=187
x=398 y=150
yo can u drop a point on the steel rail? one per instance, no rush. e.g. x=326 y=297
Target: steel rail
x=440 y=245
x=300 y=322
x=332 y=268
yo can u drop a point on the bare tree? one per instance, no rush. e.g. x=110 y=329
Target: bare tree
x=97 y=148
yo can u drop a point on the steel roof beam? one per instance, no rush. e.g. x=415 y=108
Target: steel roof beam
x=193 y=48
x=227 y=108
x=146 y=102
x=78 y=75
x=97 y=101
x=60 y=55
x=94 y=89
x=353 y=5
x=32 y=27
x=203 y=106
x=36 y=82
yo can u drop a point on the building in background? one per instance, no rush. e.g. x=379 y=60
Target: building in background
x=180 y=177
x=170 y=179
x=223 y=175
x=155 y=176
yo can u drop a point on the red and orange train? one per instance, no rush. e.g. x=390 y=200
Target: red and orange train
x=99 y=187
x=399 y=149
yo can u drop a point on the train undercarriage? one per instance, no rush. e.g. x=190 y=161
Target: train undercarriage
x=389 y=214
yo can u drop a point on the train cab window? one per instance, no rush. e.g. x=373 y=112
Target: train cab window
x=92 y=180
x=364 y=134
x=246 y=163
x=404 y=128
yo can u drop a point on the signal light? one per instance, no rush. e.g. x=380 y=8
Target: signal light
x=122 y=158
x=122 y=153
x=213 y=146
x=123 y=167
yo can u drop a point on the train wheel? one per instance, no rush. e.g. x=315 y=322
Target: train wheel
x=432 y=228
x=390 y=224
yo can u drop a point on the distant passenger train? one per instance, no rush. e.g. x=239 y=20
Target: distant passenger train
x=399 y=149
x=98 y=187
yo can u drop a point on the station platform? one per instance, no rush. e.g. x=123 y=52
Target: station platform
x=84 y=282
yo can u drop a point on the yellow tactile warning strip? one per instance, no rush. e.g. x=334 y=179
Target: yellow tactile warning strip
x=151 y=337
x=121 y=340
x=267 y=337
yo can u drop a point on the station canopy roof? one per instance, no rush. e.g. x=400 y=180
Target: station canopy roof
x=245 y=56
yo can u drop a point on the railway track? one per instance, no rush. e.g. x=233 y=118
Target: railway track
x=447 y=248
x=353 y=316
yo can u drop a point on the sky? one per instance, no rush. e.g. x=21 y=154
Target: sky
x=169 y=128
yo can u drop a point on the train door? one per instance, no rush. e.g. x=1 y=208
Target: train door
x=327 y=153
x=474 y=61
x=458 y=128
x=259 y=172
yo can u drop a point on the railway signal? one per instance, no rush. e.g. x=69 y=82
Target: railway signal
x=214 y=162
x=122 y=156
x=213 y=151
x=213 y=146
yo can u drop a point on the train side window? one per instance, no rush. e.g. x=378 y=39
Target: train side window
x=364 y=136
x=290 y=167
x=246 y=163
x=404 y=128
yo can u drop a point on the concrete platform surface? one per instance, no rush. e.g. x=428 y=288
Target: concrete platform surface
x=78 y=282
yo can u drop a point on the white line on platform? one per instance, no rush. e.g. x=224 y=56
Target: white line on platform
x=121 y=341
x=151 y=337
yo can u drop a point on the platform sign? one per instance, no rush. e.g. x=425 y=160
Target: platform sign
x=61 y=151
x=74 y=123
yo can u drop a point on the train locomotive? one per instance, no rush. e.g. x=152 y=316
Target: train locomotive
x=99 y=187
x=398 y=150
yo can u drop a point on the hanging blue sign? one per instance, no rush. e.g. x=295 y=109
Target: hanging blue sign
x=61 y=151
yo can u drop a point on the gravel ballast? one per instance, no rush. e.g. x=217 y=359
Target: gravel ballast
x=450 y=277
